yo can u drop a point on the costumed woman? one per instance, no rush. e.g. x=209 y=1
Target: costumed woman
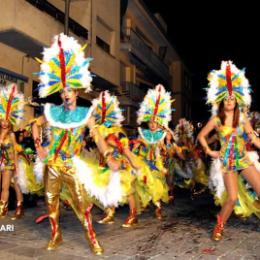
x=65 y=69
x=154 y=114
x=170 y=151
x=11 y=112
x=189 y=170
x=108 y=118
x=229 y=95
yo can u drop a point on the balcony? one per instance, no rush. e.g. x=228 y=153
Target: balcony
x=134 y=44
x=133 y=92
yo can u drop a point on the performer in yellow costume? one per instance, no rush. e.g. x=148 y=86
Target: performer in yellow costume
x=191 y=169
x=64 y=68
x=170 y=152
x=101 y=183
x=155 y=111
x=11 y=112
x=229 y=94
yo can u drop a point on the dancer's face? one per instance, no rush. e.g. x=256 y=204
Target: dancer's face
x=153 y=125
x=5 y=124
x=229 y=103
x=168 y=137
x=69 y=97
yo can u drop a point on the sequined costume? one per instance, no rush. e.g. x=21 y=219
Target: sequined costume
x=234 y=157
x=191 y=169
x=64 y=68
x=229 y=86
x=64 y=166
x=108 y=187
x=11 y=112
x=151 y=184
x=7 y=151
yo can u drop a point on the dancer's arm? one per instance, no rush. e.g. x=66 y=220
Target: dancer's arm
x=202 y=137
x=15 y=155
x=39 y=122
x=102 y=146
x=253 y=137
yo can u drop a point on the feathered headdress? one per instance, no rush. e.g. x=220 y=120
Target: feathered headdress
x=183 y=129
x=64 y=65
x=156 y=106
x=11 y=104
x=106 y=110
x=228 y=81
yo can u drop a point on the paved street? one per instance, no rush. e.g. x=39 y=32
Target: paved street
x=184 y=233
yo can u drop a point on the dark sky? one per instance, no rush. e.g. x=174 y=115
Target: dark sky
x=205 y=34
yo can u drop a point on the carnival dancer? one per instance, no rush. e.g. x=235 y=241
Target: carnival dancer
x=11 y=112
x=155 y=111
x=64 y=68
x=169 y=152
x=108 y=119
x=229 y=95
x=191 y=169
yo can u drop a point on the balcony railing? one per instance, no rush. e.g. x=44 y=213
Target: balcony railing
x=132 y=42
x=132 y=91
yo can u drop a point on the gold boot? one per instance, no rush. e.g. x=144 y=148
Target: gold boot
x=56 y=237
x=109 y=217
x=131 y=219
x=218 y=230
x=19 y=212
x=158 y=211
x=90 y=234
x=3 y=209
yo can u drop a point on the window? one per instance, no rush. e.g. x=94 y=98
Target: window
x=54 y=12
x=103 y=45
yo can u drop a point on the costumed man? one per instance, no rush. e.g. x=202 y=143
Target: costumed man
x=229 y=95
x=155 y=111
x=11 y=112
x=65 y=69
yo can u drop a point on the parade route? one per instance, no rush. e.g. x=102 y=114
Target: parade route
x=184 y=233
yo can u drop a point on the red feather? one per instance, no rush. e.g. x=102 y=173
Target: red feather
x=228 y=79
x=8 y=109
x=104 y=108
x=62 y=64
x=63 y=139
x=119 y=144
x=156 y=105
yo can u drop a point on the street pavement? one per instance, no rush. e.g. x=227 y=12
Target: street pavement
x=184 y=233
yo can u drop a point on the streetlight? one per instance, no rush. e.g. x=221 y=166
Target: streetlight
x=66 y=22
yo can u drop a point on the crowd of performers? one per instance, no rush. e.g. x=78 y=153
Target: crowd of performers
x=119 y=170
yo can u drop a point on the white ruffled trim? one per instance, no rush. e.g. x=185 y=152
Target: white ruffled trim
x=216 y=180
x=53 y=123
x=185 y=173
x=22 y=180
x=143 y=137
x=38 y=170
x=254 y=158
x=110 y=195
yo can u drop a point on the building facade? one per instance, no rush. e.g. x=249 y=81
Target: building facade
x=128 y=44
x=148 y=58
